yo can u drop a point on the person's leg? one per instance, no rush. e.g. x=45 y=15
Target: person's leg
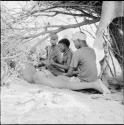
x=55 y=70
x=62 y=82
x=28 y=72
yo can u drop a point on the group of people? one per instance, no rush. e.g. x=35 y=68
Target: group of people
x=64 y=64
x=80 y=64
x=61 y=60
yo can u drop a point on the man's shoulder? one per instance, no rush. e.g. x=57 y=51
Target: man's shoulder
x=77 y=52
x=87 y=49
x=91 y=50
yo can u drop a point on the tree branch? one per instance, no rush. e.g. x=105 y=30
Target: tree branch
x=89 y=33
x=65 y=13
x=62 y=27
x=86 y=14
x=77 y=5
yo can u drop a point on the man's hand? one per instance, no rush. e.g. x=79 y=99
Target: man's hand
x=69 y=73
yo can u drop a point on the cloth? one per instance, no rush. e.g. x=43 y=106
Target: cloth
x=84 y=60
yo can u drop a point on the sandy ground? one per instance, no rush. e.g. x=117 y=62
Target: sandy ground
x=23 y=103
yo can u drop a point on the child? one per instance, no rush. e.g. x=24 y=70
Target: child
x=53 y=54
x=63 y=46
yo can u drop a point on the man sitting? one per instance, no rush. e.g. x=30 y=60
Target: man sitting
x=53 y=54
x=83 y=60
x=63 y=46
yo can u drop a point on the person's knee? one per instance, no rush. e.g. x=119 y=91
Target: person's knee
x=28 y=73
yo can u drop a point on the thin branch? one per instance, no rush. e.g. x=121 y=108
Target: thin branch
x=92 y=29
x=42 y=10
x=76 y=5
x=48 y=15
x=104 y=36
x=112 y=63
x=89 y=33
x=76 y=21
x=65 y=13
x=11 y=57
x=86 y=14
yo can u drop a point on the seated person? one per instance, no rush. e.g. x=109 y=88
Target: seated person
x=63 y=46
x=83 y=60
x=53 y=54
x=87 y=72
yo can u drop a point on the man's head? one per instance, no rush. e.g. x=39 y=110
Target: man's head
x=79 y=39
x=53 y=39
x=63 y=45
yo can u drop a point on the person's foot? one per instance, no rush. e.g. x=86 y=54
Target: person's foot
x=102 y=88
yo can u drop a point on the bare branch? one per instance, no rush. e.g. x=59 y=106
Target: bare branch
x=77 y=5
x=63 y=27
x=89 y=33
x=41 y=10
x=11 y=57
x=65 y=13
x=48 y=15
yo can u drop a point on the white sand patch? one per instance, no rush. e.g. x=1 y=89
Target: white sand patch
x=23 y=103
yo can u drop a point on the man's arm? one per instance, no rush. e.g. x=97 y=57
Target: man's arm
x=60 y=65
x=64 y=66
x=70 y=72
x=75 y=72
x=73 y=65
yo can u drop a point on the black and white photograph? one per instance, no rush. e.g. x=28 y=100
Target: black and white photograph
x=62 y=62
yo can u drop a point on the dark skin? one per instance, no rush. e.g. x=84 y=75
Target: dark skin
x=73 y=70
x=47 y=62
x=63 y=48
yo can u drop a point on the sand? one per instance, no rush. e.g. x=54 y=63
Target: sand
x=24 y=103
